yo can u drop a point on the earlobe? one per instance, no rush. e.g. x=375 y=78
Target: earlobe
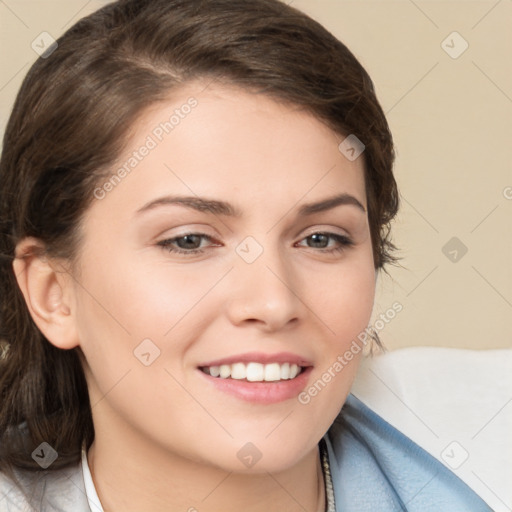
x=46 y=287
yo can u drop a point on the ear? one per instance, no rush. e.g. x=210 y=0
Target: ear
x=48 y=291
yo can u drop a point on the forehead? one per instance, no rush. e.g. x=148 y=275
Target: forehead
x=221 y=141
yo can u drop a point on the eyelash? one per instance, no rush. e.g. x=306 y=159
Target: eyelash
x=344 y=241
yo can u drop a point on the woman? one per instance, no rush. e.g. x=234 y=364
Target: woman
x=195 y=209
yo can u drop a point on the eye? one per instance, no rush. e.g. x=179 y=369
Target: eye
x=320 y=240
x=189 y=243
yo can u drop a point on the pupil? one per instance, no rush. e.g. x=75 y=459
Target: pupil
x=191 y=239
x=318 y=238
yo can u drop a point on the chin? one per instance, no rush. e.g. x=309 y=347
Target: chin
x=263 y=456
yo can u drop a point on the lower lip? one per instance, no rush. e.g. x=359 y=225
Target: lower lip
x=261 y=392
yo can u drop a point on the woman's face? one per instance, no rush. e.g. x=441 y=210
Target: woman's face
x=218 y=250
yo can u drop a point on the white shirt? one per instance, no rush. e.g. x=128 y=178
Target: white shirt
x=90 y=490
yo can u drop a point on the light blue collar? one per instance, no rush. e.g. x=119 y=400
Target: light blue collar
x=375 y=467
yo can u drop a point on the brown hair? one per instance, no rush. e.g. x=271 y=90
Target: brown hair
x=70 y=120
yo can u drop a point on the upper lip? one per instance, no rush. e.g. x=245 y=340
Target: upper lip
x=259 y=357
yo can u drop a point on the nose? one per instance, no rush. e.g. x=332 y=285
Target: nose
x=266 y=293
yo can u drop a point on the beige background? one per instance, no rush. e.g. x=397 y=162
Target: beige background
x=452 y=123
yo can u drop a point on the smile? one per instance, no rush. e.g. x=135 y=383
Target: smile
x=254 y=372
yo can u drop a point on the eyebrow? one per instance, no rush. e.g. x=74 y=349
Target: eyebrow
x=222 y=208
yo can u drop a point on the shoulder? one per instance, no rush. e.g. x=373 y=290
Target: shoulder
x=453 y=403
x=45 y=491
x=376 y=467
x=428 y=413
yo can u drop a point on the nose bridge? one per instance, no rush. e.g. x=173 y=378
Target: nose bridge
x=265 y=285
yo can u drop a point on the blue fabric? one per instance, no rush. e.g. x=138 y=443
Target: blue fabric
x=375 y=467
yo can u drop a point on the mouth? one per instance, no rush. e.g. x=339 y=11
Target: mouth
x=254 y=372
x=258 y=378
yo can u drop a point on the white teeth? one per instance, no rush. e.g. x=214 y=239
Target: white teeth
x=272 y=372
x=285 y=371
x=255 y=372
x=238 y=371
x=225 y=371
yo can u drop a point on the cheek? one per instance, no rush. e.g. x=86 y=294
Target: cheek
x=122 y=306
x=129 y=302
x=345 y=301
x=345 y=307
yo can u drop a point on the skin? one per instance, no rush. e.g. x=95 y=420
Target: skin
x=165 y=438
